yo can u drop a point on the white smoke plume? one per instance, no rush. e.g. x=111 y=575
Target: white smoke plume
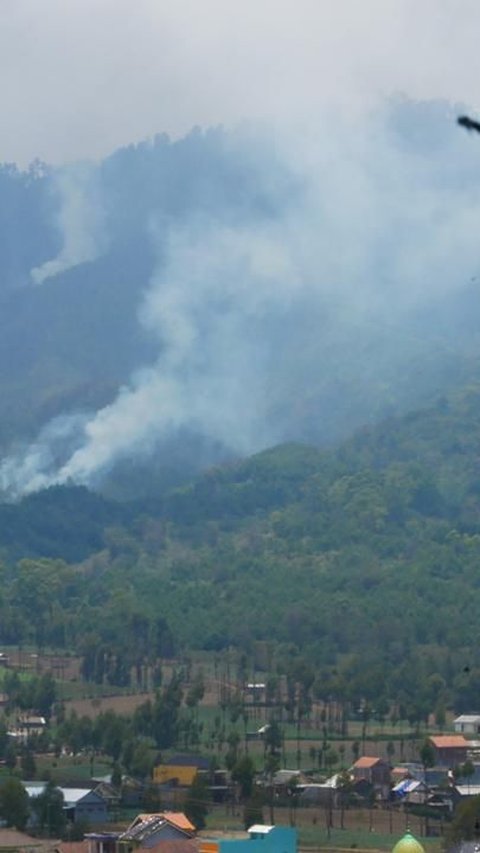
x=79 y=221
x=251 y=316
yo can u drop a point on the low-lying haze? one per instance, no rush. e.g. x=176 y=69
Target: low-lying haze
x=89 y=75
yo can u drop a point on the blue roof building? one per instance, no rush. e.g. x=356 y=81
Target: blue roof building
x=261 y=839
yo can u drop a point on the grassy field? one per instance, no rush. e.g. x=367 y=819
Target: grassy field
x=72 y=768
x=363 y=829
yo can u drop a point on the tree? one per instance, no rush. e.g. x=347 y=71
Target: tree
x=272 y=764
x=355 y=750
x=197 y=801
x=272 y=738
x=466 y=823
x=243 y=774
x=11 y=756
x=116 y=777
x=14 y=803
x=390 y=750
x=142 y=759
x=45 y=694
x=29 y=767
x=331 y=757
x=345 y=787
x=49 y=812
x=253 y=810
x=427 y=754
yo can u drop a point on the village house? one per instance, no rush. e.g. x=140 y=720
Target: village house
x=180 y=770
x=148 y=830
x=27 y=725
x=449 y=750
x=171 y=832
x=468 y=724
x=374 y=770
x=79 y=804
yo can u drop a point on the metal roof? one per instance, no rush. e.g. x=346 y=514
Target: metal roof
x=260 y=829
x=468 y=718
x=71 y=796
x=468 y=790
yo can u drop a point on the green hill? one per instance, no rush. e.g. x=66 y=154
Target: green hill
x=359 y=565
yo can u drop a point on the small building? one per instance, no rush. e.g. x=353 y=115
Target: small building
x=399 y=773
x=462 y=792
x=374 y=770
x=326 y=794
x=284 y=780
x=468 y=724
x=27 y=725
x=148 y=830
x=180 y=770
x=255 y=693
x=83 y=804
x=79 y=804
x=450 y=750
x=411 y=791
x=260 y=839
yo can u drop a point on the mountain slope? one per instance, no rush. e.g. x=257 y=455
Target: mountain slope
x=235 y=291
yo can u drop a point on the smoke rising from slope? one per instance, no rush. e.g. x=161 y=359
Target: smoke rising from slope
x=272 y=318
x=79 y=221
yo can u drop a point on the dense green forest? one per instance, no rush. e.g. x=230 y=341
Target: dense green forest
x=357 y=568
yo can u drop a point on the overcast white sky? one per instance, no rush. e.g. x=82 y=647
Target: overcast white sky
x=81 y=77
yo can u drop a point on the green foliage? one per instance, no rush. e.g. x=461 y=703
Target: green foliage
x=253 y=809
x=116 y=777
x=243 y=773
x=427 y=754
x=28 y=765
x=197 y=802
x=48 y=810
x=14 y=803
x=466 y=823
x=346 y=563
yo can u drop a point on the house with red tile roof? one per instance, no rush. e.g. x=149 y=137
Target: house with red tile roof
x=148 y=830
x=449 y=750
x=375 y=771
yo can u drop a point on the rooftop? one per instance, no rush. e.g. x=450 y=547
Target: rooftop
x=367 y=761
x=468 y=718
x=408 y=844
x=260 y=829
x=449 y=741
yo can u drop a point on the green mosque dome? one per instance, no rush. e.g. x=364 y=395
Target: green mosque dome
x=408 y=844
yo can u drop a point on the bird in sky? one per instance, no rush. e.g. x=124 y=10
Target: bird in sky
x=468 y=123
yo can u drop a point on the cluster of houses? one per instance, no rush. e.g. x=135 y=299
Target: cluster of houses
x=439 y=786
x=370 y=780
x=172 y=832
x=165 y=832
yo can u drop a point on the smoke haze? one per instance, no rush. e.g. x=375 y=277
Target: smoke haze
x=304 y=296
x=79 y=221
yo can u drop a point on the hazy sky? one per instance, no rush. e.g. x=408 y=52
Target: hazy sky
x=81 y=77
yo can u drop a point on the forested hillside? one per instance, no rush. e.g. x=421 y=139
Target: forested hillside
x=187 y=302
x=357 y=567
